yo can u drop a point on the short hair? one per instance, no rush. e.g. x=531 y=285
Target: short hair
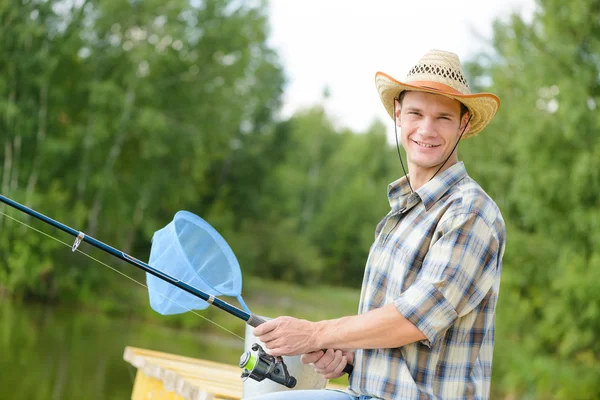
x=463 y=108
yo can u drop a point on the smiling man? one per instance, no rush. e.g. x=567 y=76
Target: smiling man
x=425 y=324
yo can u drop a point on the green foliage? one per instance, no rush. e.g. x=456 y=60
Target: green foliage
x=116 y=114
x=318 y=203
x=540 y=161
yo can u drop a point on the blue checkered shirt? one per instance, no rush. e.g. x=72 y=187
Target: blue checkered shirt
x=438 y=257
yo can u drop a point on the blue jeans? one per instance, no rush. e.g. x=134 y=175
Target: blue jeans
x=323 y=394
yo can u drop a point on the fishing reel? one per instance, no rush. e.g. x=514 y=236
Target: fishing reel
x=259 y=365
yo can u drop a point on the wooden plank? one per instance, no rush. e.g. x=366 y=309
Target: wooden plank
x=146 y=388
x=165 y=376
x=134 y=352
x=189 y=378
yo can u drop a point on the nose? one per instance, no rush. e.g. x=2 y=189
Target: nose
x=426 y=127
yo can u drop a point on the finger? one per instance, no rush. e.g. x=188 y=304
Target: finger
x=267 y=337
x=276 y=352
x=277 y=348
x=269 y=349
x=338 y=371
x=326 y=360
x=349 y=357
x=282 y=348
x=310 y=358
x=331 y=368
x=338 y=355
x=273 y=342
x=265 y=327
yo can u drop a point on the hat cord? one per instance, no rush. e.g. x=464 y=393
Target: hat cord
x=398 y=147
x=454 y=148
x=405 y=174
x=404 y=170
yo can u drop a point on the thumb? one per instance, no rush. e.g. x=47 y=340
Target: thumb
x=350 y=357
x=310 y=358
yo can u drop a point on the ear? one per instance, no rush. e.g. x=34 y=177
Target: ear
x=466 y=120
x=398 y=109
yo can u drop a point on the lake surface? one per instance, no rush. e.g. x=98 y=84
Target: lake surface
x=49 y=353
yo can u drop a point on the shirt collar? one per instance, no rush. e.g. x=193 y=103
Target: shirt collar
x=399 y=193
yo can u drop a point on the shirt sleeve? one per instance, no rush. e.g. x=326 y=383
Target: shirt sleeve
x=457 y=273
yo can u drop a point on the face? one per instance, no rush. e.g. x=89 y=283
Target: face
x=430 y=125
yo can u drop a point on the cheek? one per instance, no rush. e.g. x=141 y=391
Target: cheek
x=451 y=138
x=406 y=129
x=403 y=137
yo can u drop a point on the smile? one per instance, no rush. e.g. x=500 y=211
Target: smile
x=427 y=145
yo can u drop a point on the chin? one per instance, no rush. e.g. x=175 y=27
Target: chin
x=427 y=163
x=430 y=165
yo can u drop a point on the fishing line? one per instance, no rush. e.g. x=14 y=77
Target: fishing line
x=119 y=272
x=173 y=255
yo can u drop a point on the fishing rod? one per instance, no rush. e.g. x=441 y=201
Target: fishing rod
x=258 y=365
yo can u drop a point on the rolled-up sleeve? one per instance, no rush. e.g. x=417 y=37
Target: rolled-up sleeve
x=456 y=274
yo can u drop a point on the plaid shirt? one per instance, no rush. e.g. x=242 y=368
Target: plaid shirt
x=438 y=257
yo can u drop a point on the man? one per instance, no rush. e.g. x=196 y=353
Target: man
x=425 y=328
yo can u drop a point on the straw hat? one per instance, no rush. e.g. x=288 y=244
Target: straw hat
x=440 y=72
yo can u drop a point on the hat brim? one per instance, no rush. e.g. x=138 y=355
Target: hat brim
x=482 y=106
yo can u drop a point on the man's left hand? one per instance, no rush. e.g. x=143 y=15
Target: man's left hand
x=287 y=336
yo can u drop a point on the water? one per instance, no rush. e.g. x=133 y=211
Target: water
x=49 y=353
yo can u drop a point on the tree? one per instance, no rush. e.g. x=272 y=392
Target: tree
x=138 y=109
x=541 y=161
x=320 y=202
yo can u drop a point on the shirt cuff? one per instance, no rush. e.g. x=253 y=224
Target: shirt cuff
x=427 y=309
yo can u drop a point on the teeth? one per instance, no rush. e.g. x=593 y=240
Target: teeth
x=425 y=144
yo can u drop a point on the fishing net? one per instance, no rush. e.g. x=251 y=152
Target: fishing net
x=191 y=251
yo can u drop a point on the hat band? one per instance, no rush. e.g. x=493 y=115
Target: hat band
x=436 y=86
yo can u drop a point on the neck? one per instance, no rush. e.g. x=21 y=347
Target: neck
x=419 y=176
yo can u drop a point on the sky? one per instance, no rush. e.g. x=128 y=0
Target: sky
x=341 y=44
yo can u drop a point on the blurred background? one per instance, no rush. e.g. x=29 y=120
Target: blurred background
x=262 y=118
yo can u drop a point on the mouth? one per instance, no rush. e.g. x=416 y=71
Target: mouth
x=425 y=145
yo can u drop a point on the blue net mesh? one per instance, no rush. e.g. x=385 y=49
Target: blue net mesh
x=191 y=251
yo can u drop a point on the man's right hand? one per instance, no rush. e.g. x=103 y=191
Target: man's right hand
x=330 y=364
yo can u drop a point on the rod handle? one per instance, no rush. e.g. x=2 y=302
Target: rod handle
x=255 y=320
x=349 y=368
